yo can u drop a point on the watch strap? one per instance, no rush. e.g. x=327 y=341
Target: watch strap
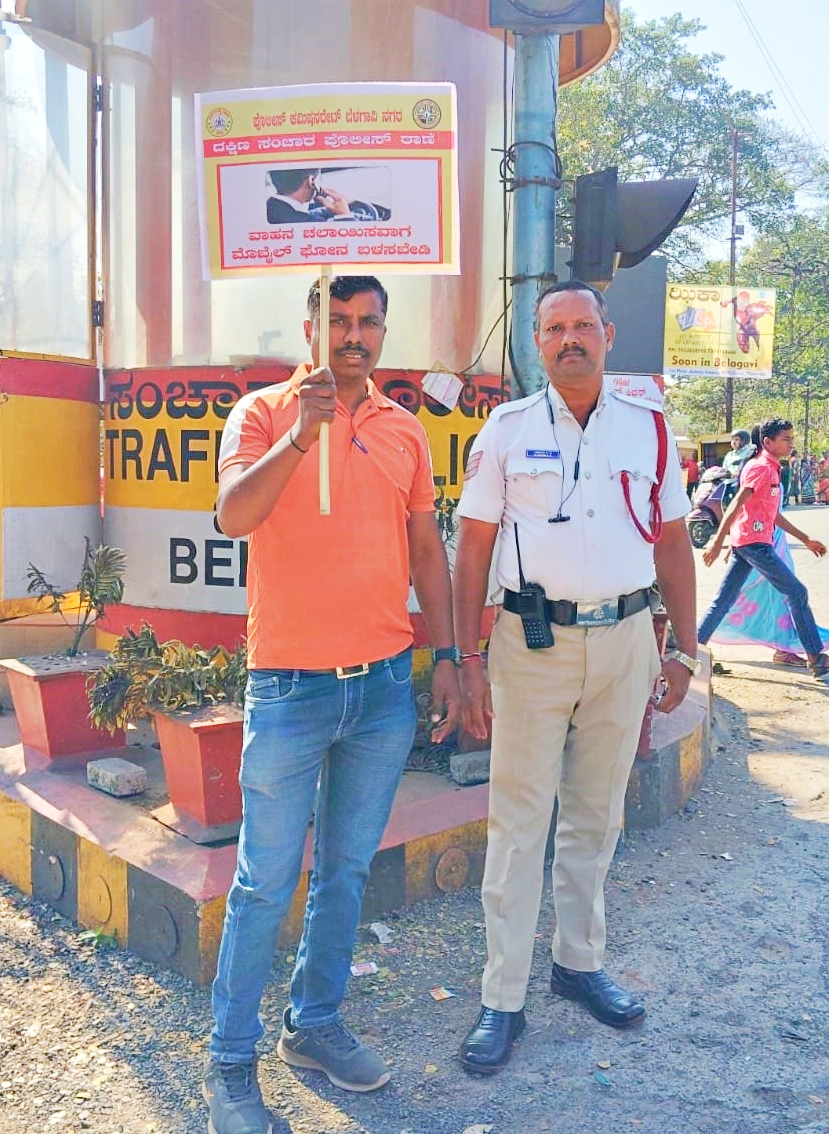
x=692 y=664
x=446 y=653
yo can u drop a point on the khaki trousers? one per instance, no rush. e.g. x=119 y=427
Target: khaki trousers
x=566 y=724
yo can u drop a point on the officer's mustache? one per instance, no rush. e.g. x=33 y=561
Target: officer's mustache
x=571 y=350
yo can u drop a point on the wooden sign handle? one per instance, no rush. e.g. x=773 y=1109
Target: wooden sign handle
x=325 y=308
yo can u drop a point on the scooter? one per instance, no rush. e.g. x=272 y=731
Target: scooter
x=711 y=499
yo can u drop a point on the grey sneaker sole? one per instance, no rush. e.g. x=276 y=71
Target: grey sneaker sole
x=211 y=1129
x=293 y=1059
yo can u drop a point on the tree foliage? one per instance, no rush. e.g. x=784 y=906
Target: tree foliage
x=656 y=110
x=795 y=260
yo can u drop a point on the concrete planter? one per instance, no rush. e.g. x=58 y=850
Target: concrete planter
x=201 y=751
x=49 y=698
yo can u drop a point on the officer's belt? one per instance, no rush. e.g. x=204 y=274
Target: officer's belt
x=603 y=613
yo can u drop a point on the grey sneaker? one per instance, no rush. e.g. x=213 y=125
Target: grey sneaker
x=231 y=1090
x=333 y=1049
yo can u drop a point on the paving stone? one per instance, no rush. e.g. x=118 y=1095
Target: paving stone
x=116 y=776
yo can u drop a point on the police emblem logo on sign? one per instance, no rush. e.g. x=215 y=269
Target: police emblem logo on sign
x=219 y=122
x=426 y=113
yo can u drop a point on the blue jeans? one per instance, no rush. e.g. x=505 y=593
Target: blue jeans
x=763 y=558
x=352 y=737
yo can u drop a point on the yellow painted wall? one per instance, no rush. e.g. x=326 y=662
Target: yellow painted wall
x=47 y=452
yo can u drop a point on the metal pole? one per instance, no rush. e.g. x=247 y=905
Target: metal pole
x=732 y=274
x=534 y=198
x=806 y=399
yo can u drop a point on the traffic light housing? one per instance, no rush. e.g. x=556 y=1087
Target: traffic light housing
x=617 y=224
x=549 y=17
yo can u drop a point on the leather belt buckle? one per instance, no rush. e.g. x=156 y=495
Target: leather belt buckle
x=343 y=672
x=604 y=613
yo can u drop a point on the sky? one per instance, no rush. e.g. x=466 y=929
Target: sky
x=795 y=35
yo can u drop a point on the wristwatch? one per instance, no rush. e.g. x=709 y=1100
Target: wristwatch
x=693 y=664
x=447 y=653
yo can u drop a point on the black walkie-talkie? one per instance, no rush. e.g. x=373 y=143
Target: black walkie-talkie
x=538 y=633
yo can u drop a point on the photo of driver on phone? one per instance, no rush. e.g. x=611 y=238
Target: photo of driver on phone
x=297 y=197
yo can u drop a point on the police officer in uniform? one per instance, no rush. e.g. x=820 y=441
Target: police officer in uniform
x=566 y=483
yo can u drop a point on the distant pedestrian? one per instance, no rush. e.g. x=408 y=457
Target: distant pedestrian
x=692 y=473
x=822 y=490
x=759 y=616
x=785 y=480
x=807 y=480
x=794 y=478
x=750 y=520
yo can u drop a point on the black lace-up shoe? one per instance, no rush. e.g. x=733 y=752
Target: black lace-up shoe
x=599 y=995
x=488 y=1045
x=231 y=1090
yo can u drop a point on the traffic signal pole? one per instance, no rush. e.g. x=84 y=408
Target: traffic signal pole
x=534 y=187
x=732 y=272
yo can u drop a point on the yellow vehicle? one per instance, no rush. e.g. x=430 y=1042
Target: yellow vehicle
x=712 y=447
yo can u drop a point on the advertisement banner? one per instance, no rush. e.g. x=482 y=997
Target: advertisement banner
x=345 y=174
x=718 y=330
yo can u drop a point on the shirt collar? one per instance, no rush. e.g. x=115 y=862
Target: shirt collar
x=765 y=455
x=560 y=406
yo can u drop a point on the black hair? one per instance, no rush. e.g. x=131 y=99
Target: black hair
x=287 y=181
x=345 y=288
x=770 y=428
x=573 y=285
x=744 y=435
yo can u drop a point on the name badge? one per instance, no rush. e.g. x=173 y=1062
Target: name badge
x=542 y=454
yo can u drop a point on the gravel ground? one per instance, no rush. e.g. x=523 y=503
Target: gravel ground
x=719 y=919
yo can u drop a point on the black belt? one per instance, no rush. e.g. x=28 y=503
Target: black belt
x=603 y=613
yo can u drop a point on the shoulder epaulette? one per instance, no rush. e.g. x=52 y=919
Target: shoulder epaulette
x=519 y=404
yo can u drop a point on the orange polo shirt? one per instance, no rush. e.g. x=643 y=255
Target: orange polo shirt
x=325 y=591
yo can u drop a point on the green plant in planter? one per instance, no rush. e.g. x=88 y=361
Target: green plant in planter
x=147 y=676
x=101 y=584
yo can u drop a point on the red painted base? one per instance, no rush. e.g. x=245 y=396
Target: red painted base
x=201 y=752
x=53 y=712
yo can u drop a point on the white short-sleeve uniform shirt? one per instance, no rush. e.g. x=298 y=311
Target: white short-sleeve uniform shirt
x=532 y=462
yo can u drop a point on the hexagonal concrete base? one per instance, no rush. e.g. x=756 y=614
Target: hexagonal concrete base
x=109 y=864
x=106 y=862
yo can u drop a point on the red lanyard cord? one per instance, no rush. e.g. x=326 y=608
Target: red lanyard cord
x=655 y=534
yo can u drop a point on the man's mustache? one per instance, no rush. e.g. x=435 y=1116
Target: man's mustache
x=352 y=350
x=571 y=350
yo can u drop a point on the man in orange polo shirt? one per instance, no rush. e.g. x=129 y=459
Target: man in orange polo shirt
x=329 y=697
